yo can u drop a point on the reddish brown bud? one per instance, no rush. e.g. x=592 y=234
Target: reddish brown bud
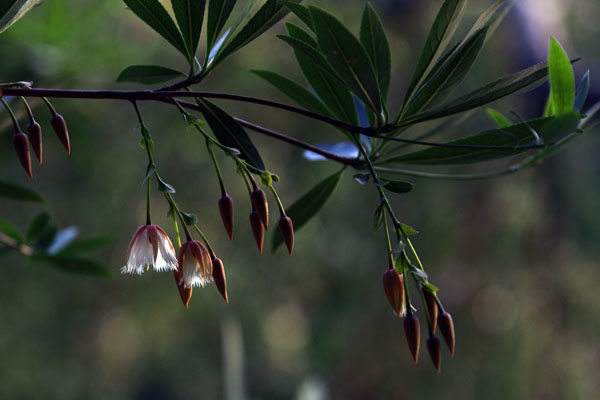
x=21 y=144
x=412 y=331
x=226 y=210
x=259 y=202
x=287 y=232
x=432 y=308
x=184 y=292
x=393 y=286
x=60 y=128
x=446 y=326
x=34 y=131
x=433 y=346
x=218 y=274
x=257 y=229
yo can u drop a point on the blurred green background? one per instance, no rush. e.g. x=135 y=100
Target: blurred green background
x=516 y=258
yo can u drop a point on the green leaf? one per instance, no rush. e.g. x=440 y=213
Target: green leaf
x=149 y=142
x=319 y=74
x=11 y=231
x=189 y=218
x=429 y=286
x=156 y=17
x=562 y=80
x=218 y=12
x=164 y=187
x=85 y=245
x=518 y=134
x=300 y=11
x=396 y=186
x=76 y=265
x=230 y=133
x=524 y=79
x=268 y=15
x=499 y=118
x=378 y=217
x=450 y=74
x=149 y=172
x=294 y=91
x=348 y=58
x=19 y=193
x=38 y=226
x=488 y=17
x=189 y=15
x=148 y=74
x=560 y=126
x=408 y=230
x=308 y=205
x=441 y=32
x=12 y=10
x=582 y=91
x=374 y=39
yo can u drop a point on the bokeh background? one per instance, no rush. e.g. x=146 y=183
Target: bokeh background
x=516 y=258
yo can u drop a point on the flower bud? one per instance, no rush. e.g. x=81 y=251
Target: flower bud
x=257 y=229
x=433 y=346
x=432 y=307
x=34 y=131
x=184 y=292
x=393 y=286
x=195 y=264
x=287 y=232
x=226 y=210
x=218 y=274
x=446 y=326
x=412 y=331
x=259 y=202
x=21 y=144
x=60 y=128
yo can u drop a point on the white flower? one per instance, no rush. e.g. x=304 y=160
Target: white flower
x=150 y=247
x=195 y=264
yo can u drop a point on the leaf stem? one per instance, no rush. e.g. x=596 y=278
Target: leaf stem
x=12 y=116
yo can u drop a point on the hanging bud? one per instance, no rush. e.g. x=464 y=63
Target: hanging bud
x=287 y=232
x=218 y=275
x=433 y=346
x=34 y=131
x=259 y=202
x=432 y=307
x=60 y=128
x=21 y=144
x=257 y=229
x=412 y=331
x=184 y=292
x=226 y=210
x=393 y=286
x=447 y=328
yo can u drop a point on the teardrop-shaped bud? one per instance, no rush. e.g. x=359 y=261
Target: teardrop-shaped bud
x=60 y=128
x=184 y=292
x=432 y=307
x=287 y=232
x=21 y=144
x=257 y=229
x=446 y=326
x=218 y=274
x=34 y=132
x=259 y=202
x=412 y=331
x=393 y=286
x=226 y=210
x=433 y=346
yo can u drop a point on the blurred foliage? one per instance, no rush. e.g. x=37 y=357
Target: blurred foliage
x=516 y=257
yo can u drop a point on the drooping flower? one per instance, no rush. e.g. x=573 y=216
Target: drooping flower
x=150 y=247
x=194 y=264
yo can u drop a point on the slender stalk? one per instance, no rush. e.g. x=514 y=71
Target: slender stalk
x=388 y=241
x=12 y=115
x=216 y=165
x=278 y=200
x=148 y=219
x=29 y=112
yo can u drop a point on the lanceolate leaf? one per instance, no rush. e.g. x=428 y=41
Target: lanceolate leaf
x=155 y=15
x=582 y=91
x=300 y=11
x=11 y=231
x=294 y=91
x=373 y=38
x=562 y=80
x=230 y=133
x=189 y=15
x=308 y=205
x=560 y=126
x=515 y=135
x=396 y=186
x=348 y=57
x=13 y=10
x=440 y=34
x=148 y=74
x=218 y=12
x=488 y=18
x=19 y=193
x=449 y=75
x=499 y=118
